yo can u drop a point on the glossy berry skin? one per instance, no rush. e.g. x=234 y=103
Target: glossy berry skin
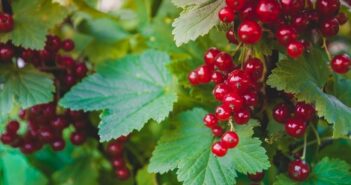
x=234 y=101
x=226 y=15
x=193 y=78
x=6 y=22
x=78 y=138
x=330 y=27
x=53 y=43
x=257 y=177
x=231 y=37
x=122 y=173
x=81 y=70
x=254 y=68
x=46 y=134
x=210 y=120
x=224 y=61
x=286 y=34
x=328 y=8
x=242 y=116
x=230 y=139
x=114 y=149
x=268 y=11
x=7 y=52
x=281 y=113
x=304 y=111
x=27 y=148
x=219 y=150
x=12 y=126
x=292 y=6
x=295 y=49
x=204 y=74
x=251 y=98
x=236 y=4
x=341 y=64
x=295 y=127
x=248 y=12
x=298 y=170
x=300 y=22
x=220 y=91
x=249 y=32
x=118 y=162
x=67 y=45
x=58 y=144
x=59 y=123
x=211 y=55
x=217 y=77
x=239 y=81
x=223 y=112
x=217 y=131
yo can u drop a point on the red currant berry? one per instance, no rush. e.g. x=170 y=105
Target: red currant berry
x=122 y=139
x=286 y=34
x=210 y=120
x=27 y=55
x=226 y=15
x=292 y=6
x=251 y=98
x=211 y=55
x=328 y=8
x=81 y=70
x=22 y=114
x=295 y=49
x=219 y=150
x=268 y=11
x=230 y=139
x=223 y=112
x=7 y=52
x=114 y=149
x=7 y=138
x=46 y=134
x=122 y=173
x=248 y=12
x=217 y=77
x=256 y=177
x=295 y=127
x=304 y=111
x=242 y=116
x=342 y=18
x=249 y=32
x=281 y=113
x=12 y=127
x=298 y=170
x=341 y=64
x=6 y=22
x=236 y=4
x=217 y=131
x=231 y=37
x=238 y=81
x=59 y=123
x=58 y=144
x=68 y=45
x=78 y=138
x=53 y=43
x=224 y=61
x=66 y=62
x=330 y=27
x=193 y=78
x=204 y=73
x=28 y=147
x=70 y=80
x=300 y=22
x=118 y=162
x=234 y=101
x=220 y=91
x=254 y=68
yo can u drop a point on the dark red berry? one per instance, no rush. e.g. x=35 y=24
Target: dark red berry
x=46 y=134
x=53 y=43
x=295 y=49
x=239 y=81
x=230 y=139
x=328 y=8
x=27 y=55
x=66 y=62
x=6 y=22
x=80 y=124
x=341 y=64
x=217 y=77
x=242 y=116
x=226 y=15
x=122 y=139
x=12 y=126
x=295 y=127
x=304 y=111
x=67 y=45
x=224 y=61
x=298 y=170
x=231 y=37
x=286 y=34
x=254 y=68
x=58 y=144
x=281 y=113
x=249 y=32
x=59 y=123
x=210 y=120
x=251 y=98
x=211 y=55
x=300 y=22
x=256 y=177
x=7 y=138
x=330 y=27
x=81 y=70
x=118 y=162
x=44 y=56
x=7 y=52
x=218 y=149
x=248 y=12
x=114 y=149
x=220 y=91
x=236 y=5
x=78 y=138
x=292 y=6
x=28 y=147
x=268 y=11
x=217 y=131
x=122 y=173
x=234 y=101
x=342 y=18
x=223 y=112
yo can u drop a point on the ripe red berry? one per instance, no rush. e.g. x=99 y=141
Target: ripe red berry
x=268 y=11
x=78 y=138
x=27 y=55
x=81 y=70
x=295 y=49
x=58 y=144
x=341 y=64
x=53 y=43
x=230 y=139
x=193 y=78
x=342 y=18
x=7 y=52
x=67 y=45
x=218 y=149
x=281 y=113
x=300 y=22
x=292 y=6
x=249 y=32
x=118 y=162
x=226 y=15
x=204 y=73
x=231 y=37
x=211 y=55
x=27 y=147
x=242 y=116
x=254 y=68
x=304 y=111
x=223 y=112
x=235 y=4
x=220 y=91
x=12 y=126
x=234 y=101
x=295 y=127
x=330 y=27
x=217 y=77
x=328 y=8
x=46 y=134
x=70 y=80
x=59 y=122
x=238 y=81
x=6 y=22
x=251 y=98
x=224 y=61
x=114 y=149
x=248 y=12
x=210 y=120
x=286 y=34
x=7 y=138
x=298 y=170
x=217 y=131
x=256 y=177
x=122 y=173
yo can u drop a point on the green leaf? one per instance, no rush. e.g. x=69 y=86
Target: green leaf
x=284 y=180
x=17 y=171
x=306 y=78
x=196 y=21
x=82 y=171
x=331 y=172
x=131 y=91
x=184 y=3
x=32 y=20
x=27 y=87
x=145 y=178
x=188 y=148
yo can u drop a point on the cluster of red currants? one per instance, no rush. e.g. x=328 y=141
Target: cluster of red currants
x=294 y=23
x=45 y=126
x=237 y=88
x=295 y=125
x=115 y=151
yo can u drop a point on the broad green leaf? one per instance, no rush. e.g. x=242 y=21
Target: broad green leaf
x=196 y=21
x=131 y=91
x=284 y=180
x=82 y=171
x=27 y=87
x=184 y=3
x=188 y=149
x=17 y=171
x=145 y=178
x=306 y=78
x=32 y=20
x=342 y=90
